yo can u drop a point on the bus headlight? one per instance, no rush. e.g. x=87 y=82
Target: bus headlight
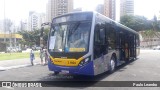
x=85 y=61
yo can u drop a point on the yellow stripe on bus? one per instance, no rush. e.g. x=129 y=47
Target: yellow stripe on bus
x=65 y=61
x=76 y=49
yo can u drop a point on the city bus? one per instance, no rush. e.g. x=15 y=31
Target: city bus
x=88 y=43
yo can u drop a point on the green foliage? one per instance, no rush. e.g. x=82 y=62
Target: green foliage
x=45 y=36
x=14 y=56
x=148 y=37
x=137 y=23
x=155 y=24
x=127 y=20
x=31 y=38
x=140 y=23
x=150 y=28
x=148 y=34
x=2 y=46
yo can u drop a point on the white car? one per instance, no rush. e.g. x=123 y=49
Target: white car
x=156 y=48
x=27 y=50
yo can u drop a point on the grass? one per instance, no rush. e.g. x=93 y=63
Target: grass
x=13 y=56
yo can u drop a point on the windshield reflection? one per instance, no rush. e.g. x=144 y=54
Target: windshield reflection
x=71 y=37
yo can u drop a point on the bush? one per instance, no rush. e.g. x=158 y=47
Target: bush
x=2 y=47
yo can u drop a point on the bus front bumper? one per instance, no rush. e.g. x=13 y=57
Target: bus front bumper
x=78 y=70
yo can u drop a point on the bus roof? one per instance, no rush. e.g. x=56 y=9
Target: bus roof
x=77 y=12
x=118 y=24
x=96 y=13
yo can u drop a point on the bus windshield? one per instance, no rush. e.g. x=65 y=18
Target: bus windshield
x=70 y=36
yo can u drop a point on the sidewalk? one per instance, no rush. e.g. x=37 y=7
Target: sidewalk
x=10 y=64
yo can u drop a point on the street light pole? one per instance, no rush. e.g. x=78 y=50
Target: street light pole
x=5 y=28
x=41 y=34
x=4 y=23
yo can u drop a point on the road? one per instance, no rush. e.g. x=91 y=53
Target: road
x=145 y=68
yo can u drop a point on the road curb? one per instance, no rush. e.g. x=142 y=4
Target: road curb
x=18 y=66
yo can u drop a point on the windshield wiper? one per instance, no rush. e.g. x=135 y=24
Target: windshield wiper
x=72 y=30
x=69 y=33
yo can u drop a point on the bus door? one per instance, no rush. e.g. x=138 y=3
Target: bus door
x=121 y=45
x=124 y=46
x=131 y=45
x=134 y=46
x=100 y=49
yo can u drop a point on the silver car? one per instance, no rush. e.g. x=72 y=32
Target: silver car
x=156 y=48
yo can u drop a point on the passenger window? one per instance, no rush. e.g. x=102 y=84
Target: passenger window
x=99 y=40
x=99 y=35
x=111 y=38
x=96 y=36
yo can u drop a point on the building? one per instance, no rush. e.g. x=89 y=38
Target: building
x=42 y=19
x=106 y=8
x=126 y=7
x=58 y=7
x=8 y=38
x=7 y=26
x=23 y=25
x=110 y=8
x=35 y=20
x=12 y=40
x=100 y=8
x=148 y=40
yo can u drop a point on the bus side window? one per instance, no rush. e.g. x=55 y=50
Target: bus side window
x=96 y=35
x=111 y=38
x=106 y=32
x=99 y=40
x=99 y=35
x=102 y=36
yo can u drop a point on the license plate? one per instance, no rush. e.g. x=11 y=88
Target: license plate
x=65 y=62
x=64 y=71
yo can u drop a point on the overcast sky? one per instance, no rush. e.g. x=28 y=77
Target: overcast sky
x=19 y=9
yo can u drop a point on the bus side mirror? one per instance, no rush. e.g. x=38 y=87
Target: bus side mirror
x=42 y=30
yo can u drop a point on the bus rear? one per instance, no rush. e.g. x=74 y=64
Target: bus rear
x=69 y=42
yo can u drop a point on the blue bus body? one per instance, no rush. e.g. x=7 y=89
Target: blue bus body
x=103 y=44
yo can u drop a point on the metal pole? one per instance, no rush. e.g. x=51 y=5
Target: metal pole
x=5 y=28
x=41 y=36
x=4 y=23
x=10 y=40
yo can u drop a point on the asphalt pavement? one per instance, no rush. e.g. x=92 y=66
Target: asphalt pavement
x=145 y=68
x=17 y=63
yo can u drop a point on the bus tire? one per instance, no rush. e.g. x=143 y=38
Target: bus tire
x=112 y=64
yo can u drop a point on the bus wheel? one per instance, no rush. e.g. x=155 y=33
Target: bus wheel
x=112 y=65
x=56 y=72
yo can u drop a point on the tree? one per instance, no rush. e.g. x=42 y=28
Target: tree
x=128 y=20
x=2 y=46
x=150 y=28
x=148 y=36
x=31 y=38
x=156 y=26
x=136 y=23
x=45 y=36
